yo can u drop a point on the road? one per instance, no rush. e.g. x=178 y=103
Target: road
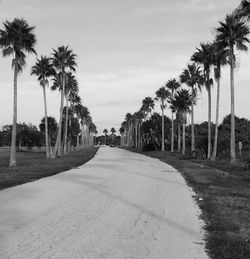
x=118 y=205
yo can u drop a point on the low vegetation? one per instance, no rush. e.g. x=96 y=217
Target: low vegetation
x=33 y=165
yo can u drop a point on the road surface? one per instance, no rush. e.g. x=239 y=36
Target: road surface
x=118 y=205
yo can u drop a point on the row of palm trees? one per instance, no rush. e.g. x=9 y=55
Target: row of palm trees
x=105 y=131
x=204 y=68
x=18 y=39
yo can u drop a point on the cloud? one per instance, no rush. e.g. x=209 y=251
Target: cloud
x=176 y=7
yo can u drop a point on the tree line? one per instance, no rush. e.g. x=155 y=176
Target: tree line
x=180 y=94
x=17 y=39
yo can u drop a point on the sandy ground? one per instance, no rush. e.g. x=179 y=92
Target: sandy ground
x=118 y=205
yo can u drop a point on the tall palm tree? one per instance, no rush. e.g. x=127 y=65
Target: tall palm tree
x=93 y=132
x=136 y=125
x=129 y=120
x=147 y=105
x=16 y=38
x=122 y=132
x=204 y=56
x=161 y=95
x=172 y=85
x=139 y=115
x=113 y=131
x=43 y=69
x=78 y=111
x=220 y=59
x=85 y=122
x=181 y=103
x=243 y=10
x=52 y=129
x=178 y=119
x=232 y=33
x=193 y=78
x=88 y=122
x=105 y=131
x=63 y=59
x=74 y=100
x=71 y=88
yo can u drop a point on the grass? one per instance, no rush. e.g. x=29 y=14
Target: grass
x=223 y=195
x=32 y=166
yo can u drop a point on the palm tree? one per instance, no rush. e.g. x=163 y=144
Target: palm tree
x=172 y=85
x=71 y=88
x=243 y=10
x=113 y=131
x=204 y=56
x=63 y=60
x=178 y=121
x=74 y=100
x=105 y=131
x=129 y=120
x=220 y=59
x=85 y=122
x=93 y=132
x=88 y=122
x=232 y=33
x=138 y=116
x=16 y=38
x=193 y=78
x=161 y=95
x=78 y=111
x=181 y=103
x=147 y=105
x=43 y=69
x=124 y=133
x=52 y=130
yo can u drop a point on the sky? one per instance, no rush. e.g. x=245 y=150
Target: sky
x=126 y=50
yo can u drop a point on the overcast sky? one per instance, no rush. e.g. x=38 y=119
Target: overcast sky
x=126 y=50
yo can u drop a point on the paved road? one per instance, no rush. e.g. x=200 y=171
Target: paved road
x=118 y=205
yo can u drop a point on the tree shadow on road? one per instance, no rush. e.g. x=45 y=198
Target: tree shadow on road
x=103 y=189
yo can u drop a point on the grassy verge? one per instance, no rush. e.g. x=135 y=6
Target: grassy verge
x=224 y=190
x=33 y=165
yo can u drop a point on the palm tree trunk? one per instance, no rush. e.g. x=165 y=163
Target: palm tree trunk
x=162 y=128
x=136 y=134
x=216 y=122
x=179 y=136
x=66 y=128
x=70 y=147
x=88 y=136
x=46 y=123
x=172 y=132
x=58 y=146
x=183 y=139
x=192 y=123
x=232 y=138
x=83 y=136
x=13 y=135
x=77 y=142
x=209 y=123
x=139 y=135
x=50 y=147
x=130 y=136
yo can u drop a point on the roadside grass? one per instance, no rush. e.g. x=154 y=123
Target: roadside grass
x=223 y=195
x=32 y=166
